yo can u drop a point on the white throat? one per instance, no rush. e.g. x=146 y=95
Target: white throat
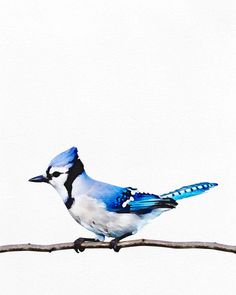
x=60 y=186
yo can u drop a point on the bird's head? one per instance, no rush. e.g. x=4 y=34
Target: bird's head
x=62 y=170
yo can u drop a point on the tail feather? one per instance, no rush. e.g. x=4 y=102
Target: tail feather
x=189 y=191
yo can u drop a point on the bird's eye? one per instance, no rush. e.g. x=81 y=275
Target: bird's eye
x=56 y=174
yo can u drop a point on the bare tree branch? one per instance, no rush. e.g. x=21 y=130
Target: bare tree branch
x=123 y=244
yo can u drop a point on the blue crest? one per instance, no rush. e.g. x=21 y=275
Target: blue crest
x=65 y=158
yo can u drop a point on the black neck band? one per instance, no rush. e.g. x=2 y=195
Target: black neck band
x=74 y=171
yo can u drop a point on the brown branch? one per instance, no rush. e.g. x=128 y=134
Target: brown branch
x=123 y=244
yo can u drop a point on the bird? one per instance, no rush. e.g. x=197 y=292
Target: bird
x=108 y=210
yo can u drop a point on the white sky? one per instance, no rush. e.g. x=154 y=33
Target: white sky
x=146 y=90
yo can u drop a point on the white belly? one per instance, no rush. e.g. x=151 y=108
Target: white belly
x=92 y=215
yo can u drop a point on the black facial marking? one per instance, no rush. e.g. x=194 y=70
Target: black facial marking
x=74 y=171
x=56 y=174
x=49 y=176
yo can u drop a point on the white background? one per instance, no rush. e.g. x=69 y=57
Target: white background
x=146 y=90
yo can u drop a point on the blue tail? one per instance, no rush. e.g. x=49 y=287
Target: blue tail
x=189 y=191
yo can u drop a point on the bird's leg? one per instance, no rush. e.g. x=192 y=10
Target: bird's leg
x=77 y=243
x=114 y=242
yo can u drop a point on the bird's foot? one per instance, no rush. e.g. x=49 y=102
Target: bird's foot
x=114 y=245
x=114 y=242
x=77 y=244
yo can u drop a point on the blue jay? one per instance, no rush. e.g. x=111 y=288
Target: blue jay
x=105 y=209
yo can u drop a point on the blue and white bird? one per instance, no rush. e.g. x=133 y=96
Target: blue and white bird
x=105 y=209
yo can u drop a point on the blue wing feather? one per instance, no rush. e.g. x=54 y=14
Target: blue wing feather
x=129 y=200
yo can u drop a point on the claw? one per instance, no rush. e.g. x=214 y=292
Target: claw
x=77 y=245
x=114 y=245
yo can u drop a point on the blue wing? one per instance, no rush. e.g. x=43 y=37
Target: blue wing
x=129 y=200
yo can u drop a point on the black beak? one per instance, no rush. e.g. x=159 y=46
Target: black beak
x=39 y=178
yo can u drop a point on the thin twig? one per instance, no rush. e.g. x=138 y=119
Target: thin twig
x=123 y=244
